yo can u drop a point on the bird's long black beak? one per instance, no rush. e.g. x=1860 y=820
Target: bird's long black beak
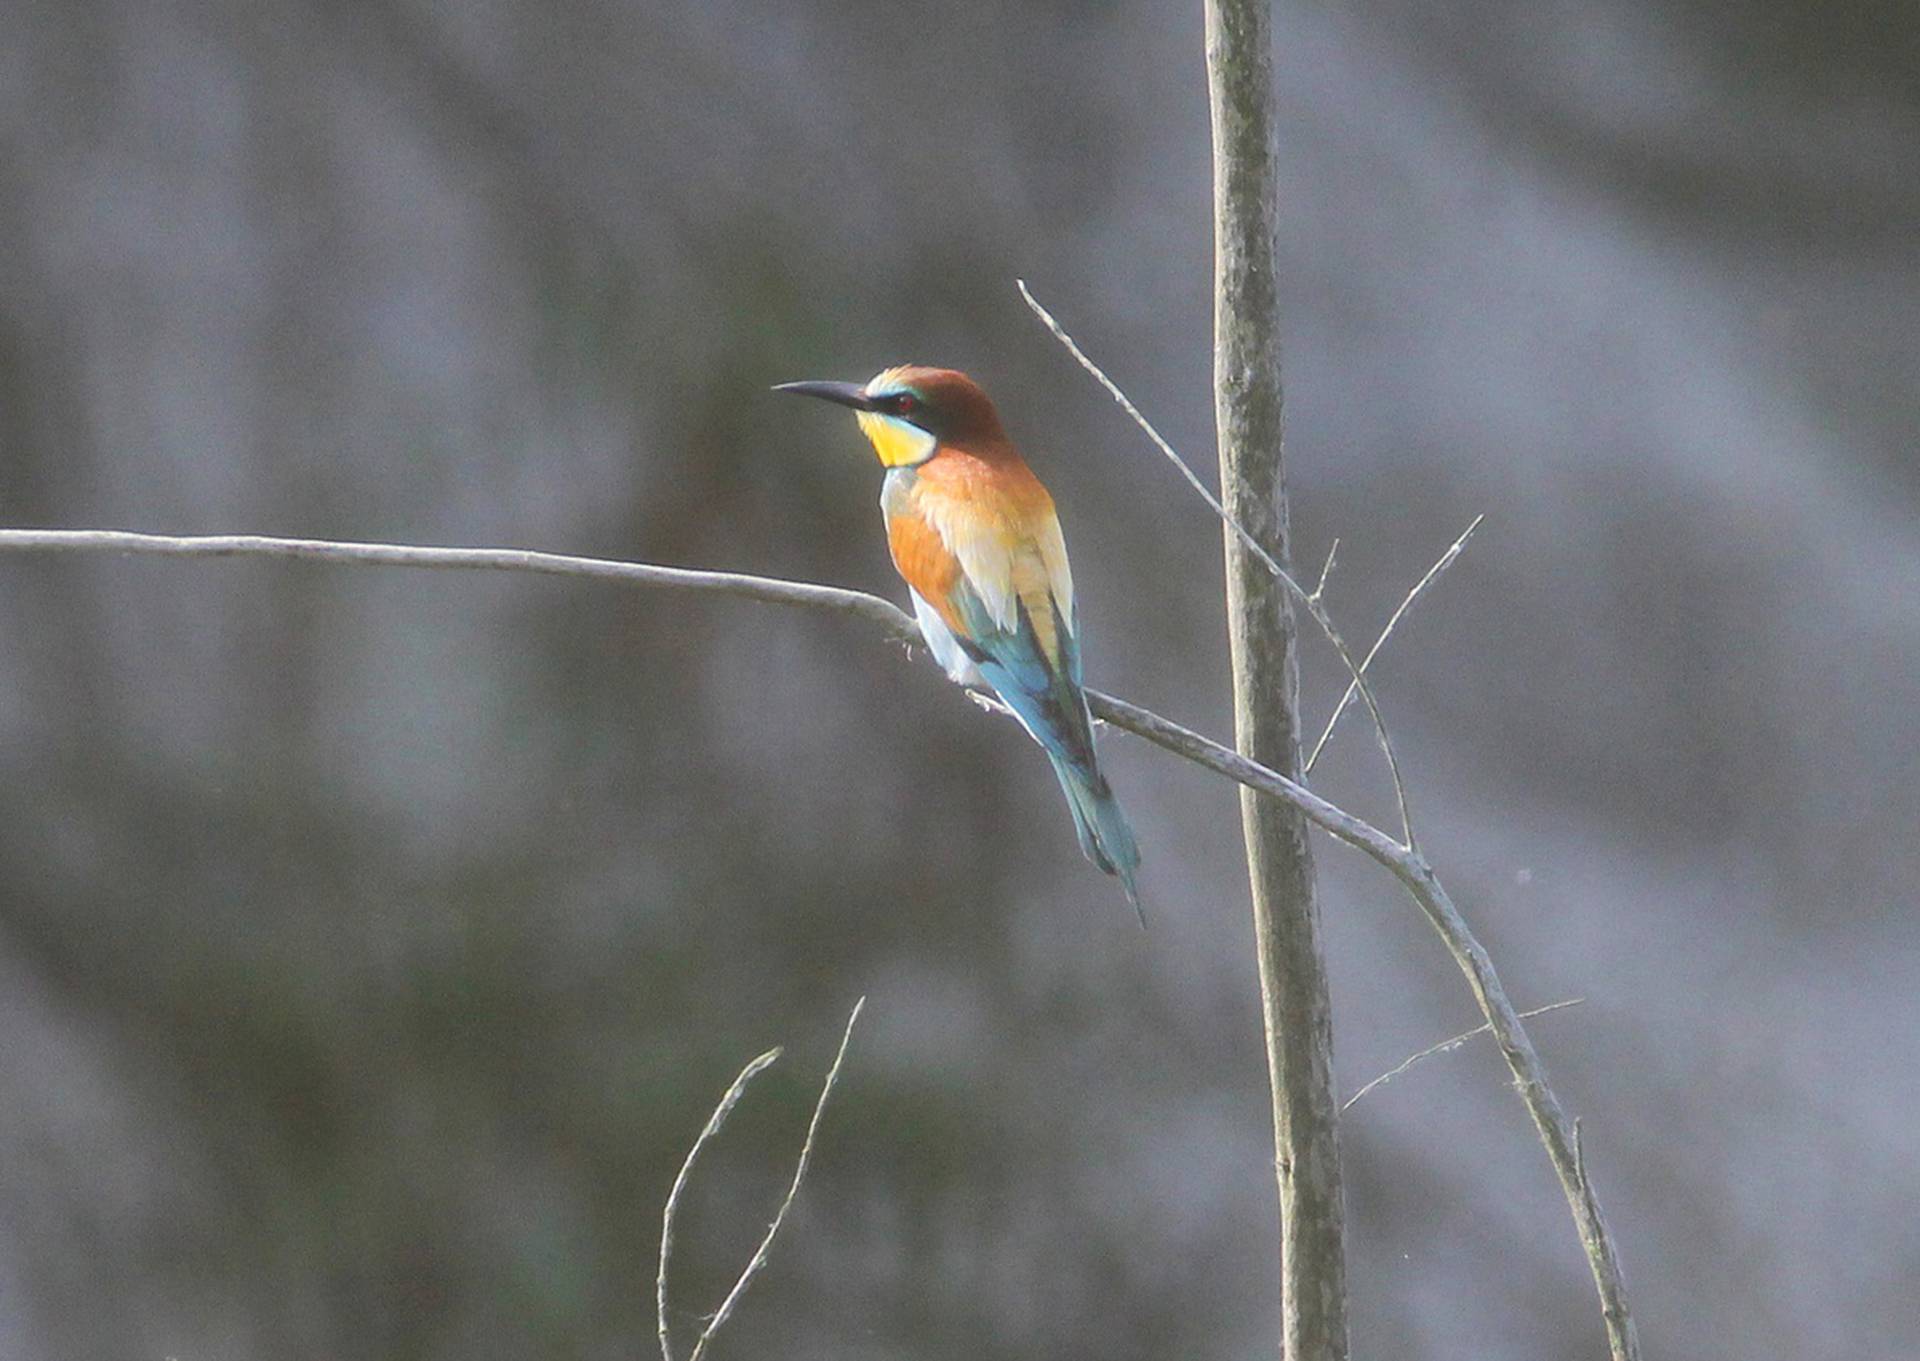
x=845 y=394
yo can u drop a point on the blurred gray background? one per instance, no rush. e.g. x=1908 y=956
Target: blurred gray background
x=372 y=945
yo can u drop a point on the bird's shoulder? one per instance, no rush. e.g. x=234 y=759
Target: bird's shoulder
x=999 y=497
x=989 y=523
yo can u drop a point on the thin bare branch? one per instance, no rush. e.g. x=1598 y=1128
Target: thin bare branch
x=1310 y=599
x=759 y=1258
x=896 y=623
x=1406 y=864
x=1448 y=1046
x=1326 y=570
x=1433 y=574
x=714 y=1122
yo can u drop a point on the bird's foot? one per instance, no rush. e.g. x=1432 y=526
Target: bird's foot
x=989 y=702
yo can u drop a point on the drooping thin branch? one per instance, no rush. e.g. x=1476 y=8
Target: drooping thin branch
x=1407 y=865
x=1311 y=599
x=1448 y=1046
x=1416 y=875
x=714 y=1122
x=759 y=1258
x=1433 y=574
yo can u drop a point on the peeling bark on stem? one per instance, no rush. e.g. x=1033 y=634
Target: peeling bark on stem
x=1296 y=1012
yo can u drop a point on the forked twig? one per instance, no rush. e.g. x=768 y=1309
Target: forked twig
x=759 y=1258
x=1433 y=573
x=1447 y=1046
x=1311 y=599
x=714 y=1122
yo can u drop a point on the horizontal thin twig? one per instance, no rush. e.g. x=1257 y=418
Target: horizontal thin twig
x=1446 y=1046
x=1406 y=864
x=897 y=623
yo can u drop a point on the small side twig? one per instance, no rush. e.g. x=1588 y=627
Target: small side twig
x=1326 y=570
x=1310 y=599
x=1433 y=574
x=1448 y=1046
x=759 y=1258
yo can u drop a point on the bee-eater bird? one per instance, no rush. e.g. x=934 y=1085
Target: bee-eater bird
x=974 y=535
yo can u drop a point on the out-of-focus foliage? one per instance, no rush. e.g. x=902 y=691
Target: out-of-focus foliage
x=372 y=945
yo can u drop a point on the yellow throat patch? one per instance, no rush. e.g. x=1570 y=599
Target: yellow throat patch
x=900 y=444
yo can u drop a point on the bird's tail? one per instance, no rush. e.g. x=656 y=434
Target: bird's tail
x=1105 y=837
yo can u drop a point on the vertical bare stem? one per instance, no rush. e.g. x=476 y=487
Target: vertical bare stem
x=1248 y=409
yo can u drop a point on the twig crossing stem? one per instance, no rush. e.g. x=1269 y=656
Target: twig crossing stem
x=1310 y=599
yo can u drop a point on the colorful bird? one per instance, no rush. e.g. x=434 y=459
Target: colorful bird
x=974 y=535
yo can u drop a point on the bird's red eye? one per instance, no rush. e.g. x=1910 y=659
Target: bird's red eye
x=904 y=403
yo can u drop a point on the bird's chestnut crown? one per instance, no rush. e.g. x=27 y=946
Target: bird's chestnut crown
x=910 y=411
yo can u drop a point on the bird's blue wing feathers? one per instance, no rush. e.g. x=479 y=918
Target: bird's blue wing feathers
x=1047 y=702
x=1052 y=708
